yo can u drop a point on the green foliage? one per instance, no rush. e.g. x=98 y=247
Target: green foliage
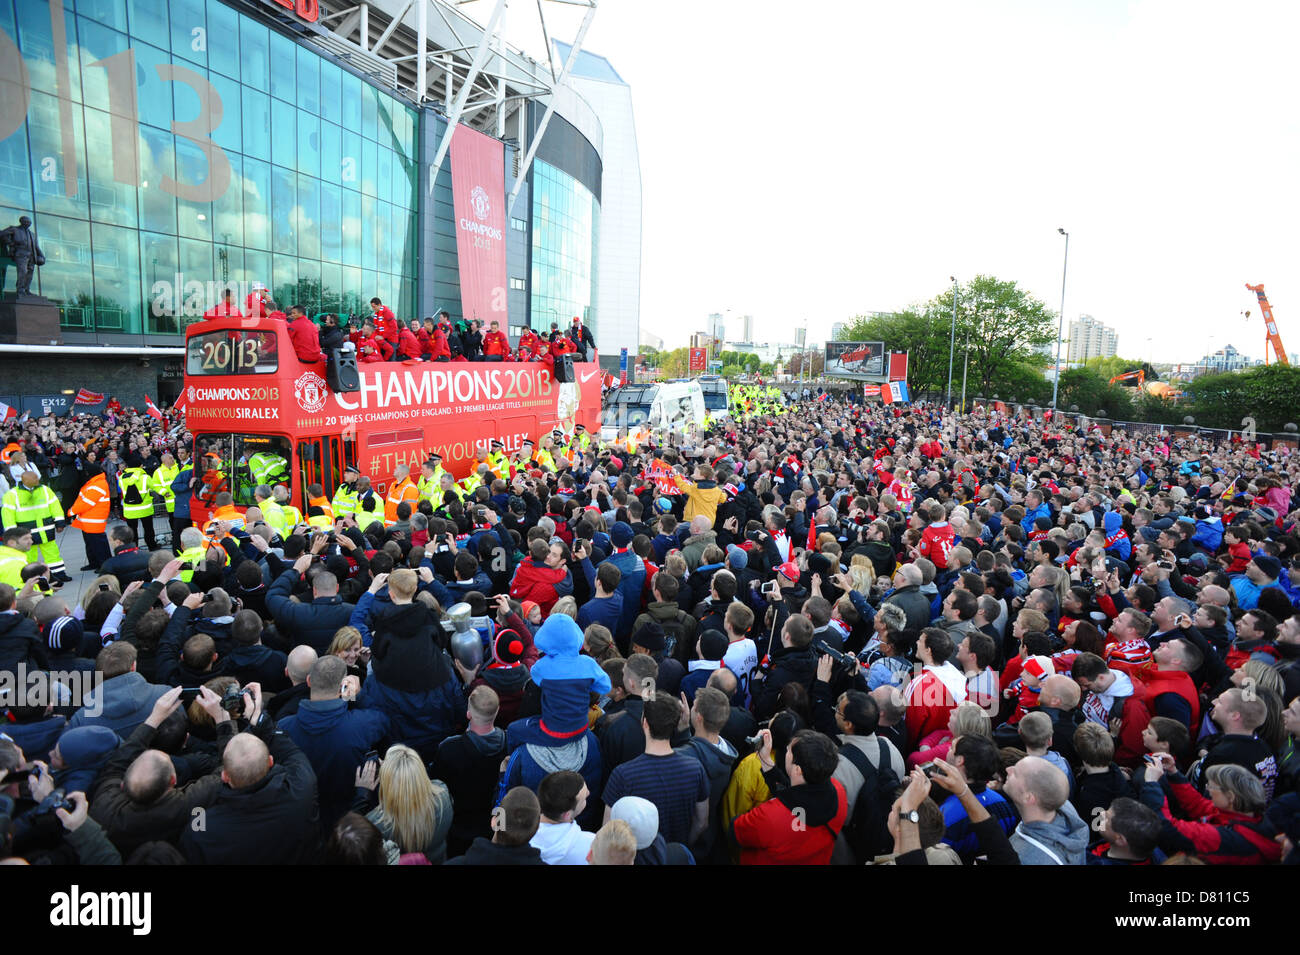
x=732 y=371
x=1108 y=368
x=997 y=326
x=1090 y=391
x=1268 y=393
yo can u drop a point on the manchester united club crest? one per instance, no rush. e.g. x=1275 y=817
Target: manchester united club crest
x=480 y=203
x=310 y=391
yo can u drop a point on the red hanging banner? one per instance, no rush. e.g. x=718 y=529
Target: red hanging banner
x=478 y=200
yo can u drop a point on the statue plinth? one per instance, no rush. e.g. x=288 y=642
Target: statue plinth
x=27 y=319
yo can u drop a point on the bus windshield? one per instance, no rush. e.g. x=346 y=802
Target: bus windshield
x=624 y=415
x=715 y=395
x=238 y=463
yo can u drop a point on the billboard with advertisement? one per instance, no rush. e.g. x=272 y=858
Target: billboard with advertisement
x=860 y=360
x=478 y=197
x=699 y=360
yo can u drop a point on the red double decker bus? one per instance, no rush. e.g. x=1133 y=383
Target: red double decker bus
x=261 y=416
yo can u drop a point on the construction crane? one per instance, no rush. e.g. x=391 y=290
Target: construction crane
x=1270 y=327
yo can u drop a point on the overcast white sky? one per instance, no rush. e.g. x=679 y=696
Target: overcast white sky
x=807 y=162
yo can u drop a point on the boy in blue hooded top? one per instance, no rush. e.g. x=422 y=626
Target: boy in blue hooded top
x=560 y=737
x=1117 y=542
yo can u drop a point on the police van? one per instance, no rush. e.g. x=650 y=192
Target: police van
x=673 y=405
x=717 y=397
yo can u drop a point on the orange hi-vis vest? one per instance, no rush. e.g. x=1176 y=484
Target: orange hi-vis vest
x=90 y=509
x=404 y=490
x=324 y=504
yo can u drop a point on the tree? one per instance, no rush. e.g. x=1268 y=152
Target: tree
x=1088 y=390
x=732 y=371
x=1268 y=394
x=1002 y=324
x=923 y=335
x=1108 y=368
x=675 y=363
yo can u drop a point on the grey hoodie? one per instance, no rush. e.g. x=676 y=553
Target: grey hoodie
x=121 y=704
x=1066 y=836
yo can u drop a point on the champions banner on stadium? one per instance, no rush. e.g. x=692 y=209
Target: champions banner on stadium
x=478 y=200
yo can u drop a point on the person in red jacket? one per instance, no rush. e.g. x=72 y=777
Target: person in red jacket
x=366 y=336
x=424 y=333
x=258 y=304
x=441 y=350
x=495 y=344
x=408 y=346
x=819 y=803
x=384 y=320
x=368 y=351
x=1170 y=689
x=305 y=336
x=542 y=576
x=937 y=539
x=529 y=344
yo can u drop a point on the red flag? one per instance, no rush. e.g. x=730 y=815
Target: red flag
x=152 y=408
x=7 y=411
x=87 y=397
x=179 y=403
x=812 y=533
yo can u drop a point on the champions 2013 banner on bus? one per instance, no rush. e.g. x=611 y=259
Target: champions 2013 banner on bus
x=478 y=200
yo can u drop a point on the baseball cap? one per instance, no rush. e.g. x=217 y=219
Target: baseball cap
x=790 y=570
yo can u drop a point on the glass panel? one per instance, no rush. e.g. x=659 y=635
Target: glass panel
x=110 y=12
x=331 y=91
x=284 y=197
x=397 y=250
x=309 y=220
x=253 y=54
x=368 y=213
x=97 y=43
x=257 y=268
x=227 y=134
x=65 y=277
x=36 y=40
x=153 y=96
x=309 y=294
x=228 y=269
x=284 y=120
x=331 y=155
x=223 y=39
x=257 y=124
x=351 y=227
x=284 y=279
x=308 y=143
x=189 y=30
x=147 y=21
x=369 y=167
x=352 y=103
x=228 y=211
x=46 y=141
x=385 y=175
x=383 y=228
x=352 y=300
x=118 y=303
x=283 y=68
x=257 y=205
x=157 y=208
x=15 y=171
x=232 y=352
x=331 y=216
x=407 y=305
x=331 y=281
x=197 y=282
x=369 y=111
x=307 y=95
x=194 y=218
x=158 y=267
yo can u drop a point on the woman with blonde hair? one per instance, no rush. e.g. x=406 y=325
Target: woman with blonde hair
x=414 y=811
x=346 y=645
x=567 y=606
x=863 y=573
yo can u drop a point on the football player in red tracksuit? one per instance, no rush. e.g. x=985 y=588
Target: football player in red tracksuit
x=495 y=344
x=384 y=320
x=441 y=350
x=529 y=345
x=408 y=346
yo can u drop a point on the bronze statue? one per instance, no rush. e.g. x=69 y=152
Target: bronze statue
x=18 y=242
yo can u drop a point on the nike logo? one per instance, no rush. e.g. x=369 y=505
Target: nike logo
x=590 y=375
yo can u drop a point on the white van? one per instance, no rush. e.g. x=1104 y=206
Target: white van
x=673 y=406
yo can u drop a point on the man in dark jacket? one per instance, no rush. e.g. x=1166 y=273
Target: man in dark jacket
x=128 y=563
x=334 y=736
x=513 y=826
x=620 y=734
x=313 y=623
x=136 y=798
x=470 y=765
x=411 y=678
x=251 y=662
x=907 y=595
x=794 y=662
x=20 y=642
x=265 y=813
x=708 y=715
x=632 y=580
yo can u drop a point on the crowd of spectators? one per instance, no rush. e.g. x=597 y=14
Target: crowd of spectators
x=851 y=634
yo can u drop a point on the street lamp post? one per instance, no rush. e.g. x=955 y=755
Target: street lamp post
x=1060 y=322
x=952 y=340
x=965 y=366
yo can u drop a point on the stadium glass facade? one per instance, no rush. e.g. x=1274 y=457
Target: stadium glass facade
x=172 y=148
x=566 y=221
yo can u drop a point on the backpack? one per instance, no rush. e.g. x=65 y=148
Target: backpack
x=674 y=634
x=866 y=833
